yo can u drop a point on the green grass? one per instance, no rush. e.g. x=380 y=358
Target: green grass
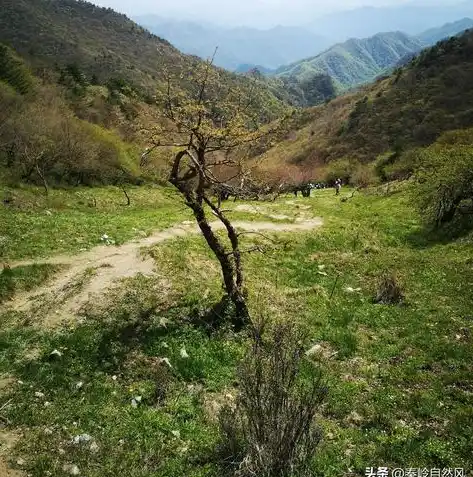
x=67 y=221
x=399 y=377
x=24 y=278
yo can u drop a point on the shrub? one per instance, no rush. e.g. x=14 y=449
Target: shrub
x=271 y=432
x=364 y=176
x=341 y=168
x=444 y=182
x=388 y=291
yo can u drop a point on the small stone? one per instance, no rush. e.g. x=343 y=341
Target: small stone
x=20 y=462
x=176 y=434
x=61 y=451
x=81 y=438
x=114 y=378
x=55 y=354
x=94 y=447
x=79 y=385
x=134 y=403
x=39 y=394
x=316 y=349
x=166 y=361
x=47 y=404
x=48 y=431
x=184 y=353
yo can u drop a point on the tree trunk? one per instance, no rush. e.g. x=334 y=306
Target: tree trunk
x=127 y=196
x=43 y=178
x=232 y=275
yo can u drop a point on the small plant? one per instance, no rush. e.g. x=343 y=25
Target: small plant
x=389 y=291
x=271 y=432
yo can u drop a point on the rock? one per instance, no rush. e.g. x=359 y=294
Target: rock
x=20 y=462
x=94 y=447
x=79 y=385
x=39 y=394
x=114 y=378
x=55 y=354
x=316 y=349
x=71 y=469
x=184 y=353
x=176 y=434
x=134 y=403
x=81 y=438
x=166 y=361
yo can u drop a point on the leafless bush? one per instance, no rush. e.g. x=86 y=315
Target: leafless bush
x=388 y=291
x=272 y=432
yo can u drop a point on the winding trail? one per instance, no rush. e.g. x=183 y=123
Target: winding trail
x=89 y=273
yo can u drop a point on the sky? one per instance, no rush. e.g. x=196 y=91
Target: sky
x=256 y=13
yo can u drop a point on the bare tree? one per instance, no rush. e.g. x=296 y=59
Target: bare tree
x=206 y=124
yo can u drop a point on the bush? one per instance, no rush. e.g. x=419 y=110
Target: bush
x=388 y=291
x=272 y=432
x=364 y=176
x=444 y=183
x=340 y=169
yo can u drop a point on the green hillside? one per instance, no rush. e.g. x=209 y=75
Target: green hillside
x=105 y=45
x=411 y=108
x=355 y=61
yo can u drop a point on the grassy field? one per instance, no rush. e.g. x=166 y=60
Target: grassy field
x=399 y=376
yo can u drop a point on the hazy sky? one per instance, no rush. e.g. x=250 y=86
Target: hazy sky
x=263 y=13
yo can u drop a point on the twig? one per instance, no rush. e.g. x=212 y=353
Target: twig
x=334 y=285
x=6 y=404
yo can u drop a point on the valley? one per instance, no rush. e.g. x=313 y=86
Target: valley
x=235 y=274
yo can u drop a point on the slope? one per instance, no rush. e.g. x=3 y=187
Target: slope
x=104 y=44
x=412 y=107
x=355 y=61
x=433 y=35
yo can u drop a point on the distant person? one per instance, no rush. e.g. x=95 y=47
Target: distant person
x=338 y=186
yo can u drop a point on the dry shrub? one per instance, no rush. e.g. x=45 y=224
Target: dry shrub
x=389 y=291
x=272 y=432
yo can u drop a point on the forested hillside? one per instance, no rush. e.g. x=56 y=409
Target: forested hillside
x=411 y=108
x=77 y=90
x=355 y=61
x=105 y=45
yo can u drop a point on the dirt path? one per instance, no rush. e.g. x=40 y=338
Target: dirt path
x=92 y=272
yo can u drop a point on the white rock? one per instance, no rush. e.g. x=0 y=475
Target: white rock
x=349 y=290
x=47 y=404
x=165 y=360
x=176 y=434
x=56 y=353
x=134 y=403
x=20 y=382
x=165 y=345
x=94 y=447
x=114 y=378
x=20 y=462
x=39 y=394
x=321 y=267
x=138 y=398
x=163 y=322
x=79 y=385
x=184 y=353
x=74 y=470
x=81 y=438
x=316 y=349
x=104 y=237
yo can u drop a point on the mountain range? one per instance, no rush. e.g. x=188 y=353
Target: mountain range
x=282 y=45
x=236 y=46
x=358 y=61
